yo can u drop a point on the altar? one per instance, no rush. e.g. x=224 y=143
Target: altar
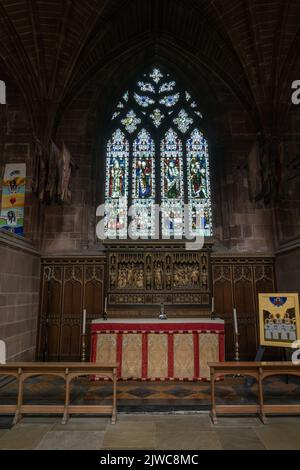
x=150 y=349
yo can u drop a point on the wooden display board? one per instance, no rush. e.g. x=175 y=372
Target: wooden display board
x=279 y=319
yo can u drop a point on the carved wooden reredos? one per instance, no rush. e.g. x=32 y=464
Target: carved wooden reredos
x=152 y=273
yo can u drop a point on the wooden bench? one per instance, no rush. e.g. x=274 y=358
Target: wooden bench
x=66 y=371
x=259 y=371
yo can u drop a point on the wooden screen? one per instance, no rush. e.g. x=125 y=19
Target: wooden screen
x=72 y=284
x=68 y=286
x=237 y=281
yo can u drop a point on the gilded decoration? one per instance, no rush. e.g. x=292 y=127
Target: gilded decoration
x=151 y=274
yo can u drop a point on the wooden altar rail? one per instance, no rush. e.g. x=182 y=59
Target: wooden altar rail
x=259 y=371
x=66 y=371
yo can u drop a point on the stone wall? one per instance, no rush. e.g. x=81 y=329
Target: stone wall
x=288 y=212
x=19 y=296
x=288 y=268
x=71 y=228
x=239 y=225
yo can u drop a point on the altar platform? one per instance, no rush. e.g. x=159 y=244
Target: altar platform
x=150 y=349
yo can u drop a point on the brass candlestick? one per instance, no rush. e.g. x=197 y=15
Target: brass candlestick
x=162 y=315
x=105 y=316
x=83 y=347
x=237 y=350
x=237 y=346
x=212 y=316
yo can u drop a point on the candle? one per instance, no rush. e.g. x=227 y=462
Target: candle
x=105 y=305
x=235 y=322
x=84 y=322
x=2 y=353
x=213 y=305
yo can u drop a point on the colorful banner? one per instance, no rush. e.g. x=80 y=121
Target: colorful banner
x=13 y=198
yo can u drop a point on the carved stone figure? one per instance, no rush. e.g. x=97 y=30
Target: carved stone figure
x=122 y=279
x=181 y=276
x=139 y=278
x=130 y=276
x=158 y=277
x=195 y=276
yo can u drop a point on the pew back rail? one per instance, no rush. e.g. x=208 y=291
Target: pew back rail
x=68 y=372
x=259 y=371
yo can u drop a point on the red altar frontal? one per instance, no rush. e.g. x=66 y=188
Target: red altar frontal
x=174 y=349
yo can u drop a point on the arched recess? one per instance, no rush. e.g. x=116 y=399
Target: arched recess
x=157 y=121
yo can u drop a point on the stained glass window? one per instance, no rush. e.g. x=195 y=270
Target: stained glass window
x=183 y=121
x=170 y=100
x=116 y=191
x=131 y=121
x=156 y=75
x=169 y=86
x=143 y=101
x=157 y=117
x=157 y=155
x=198 y=185
x=143 y=185
x=172 y=185
x=146 y=87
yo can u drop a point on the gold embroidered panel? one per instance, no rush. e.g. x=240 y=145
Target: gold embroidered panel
x=132 y=356
x=208 y=352
x=158 y=356
x=184 y=356
x=106 y=348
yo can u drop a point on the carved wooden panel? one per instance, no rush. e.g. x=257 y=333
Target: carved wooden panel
x=51 y=309
x=69 y=286
x=223 y=296
x=93 y=293
x=264 y=280
x=152 y=274
x=71 y=322
x=237 y=281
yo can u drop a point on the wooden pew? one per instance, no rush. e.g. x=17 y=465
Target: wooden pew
x=68 y=372
x=259 y=371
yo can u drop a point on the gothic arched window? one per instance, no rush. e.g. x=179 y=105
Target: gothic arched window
x=157 y=155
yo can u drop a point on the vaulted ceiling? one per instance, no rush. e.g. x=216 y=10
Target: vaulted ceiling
x=52 y=49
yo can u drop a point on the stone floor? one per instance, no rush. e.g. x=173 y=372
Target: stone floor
x=153 y=432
